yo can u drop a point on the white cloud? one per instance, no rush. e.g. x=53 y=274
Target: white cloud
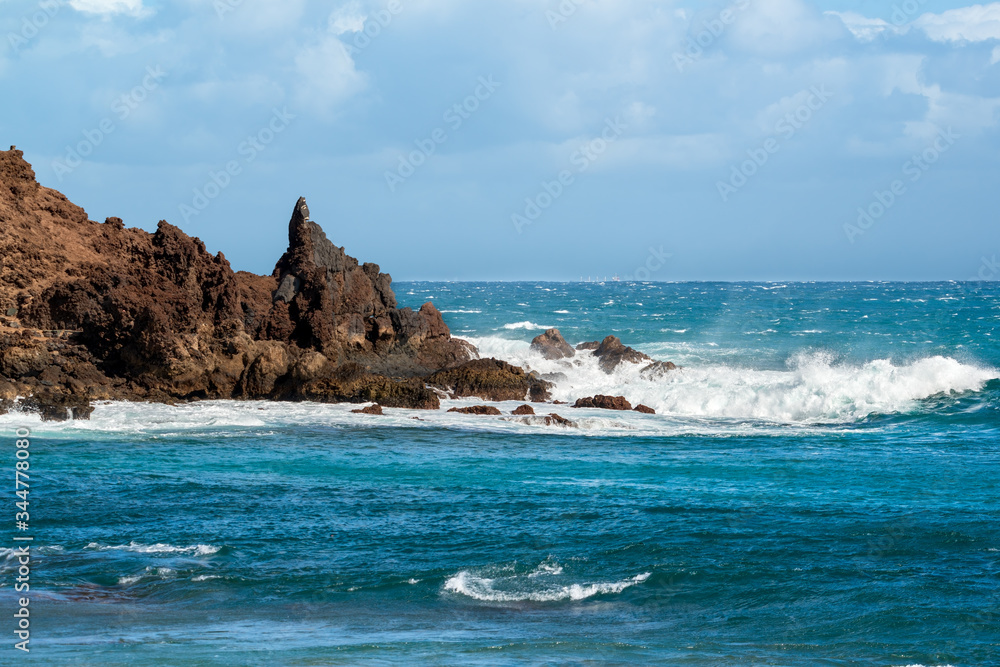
x=110 y=7
x=775 y=27
x=966 y=113
x=862 y=27
x=347 y=18
x=327 y=76
x=966 y=24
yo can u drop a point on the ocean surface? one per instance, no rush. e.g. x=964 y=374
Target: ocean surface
x=820 y=486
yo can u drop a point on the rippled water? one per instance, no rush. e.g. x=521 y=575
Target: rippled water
x=821 y=486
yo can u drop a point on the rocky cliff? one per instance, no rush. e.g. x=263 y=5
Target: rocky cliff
x=99 y=311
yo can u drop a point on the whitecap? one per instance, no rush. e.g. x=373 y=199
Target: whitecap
x=525 y=325
x=159 y=548
x=512 y=589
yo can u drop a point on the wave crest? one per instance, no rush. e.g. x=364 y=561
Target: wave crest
x=812 y=388
x=536 y=586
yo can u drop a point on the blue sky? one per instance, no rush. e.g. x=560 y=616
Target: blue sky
x=528 y=139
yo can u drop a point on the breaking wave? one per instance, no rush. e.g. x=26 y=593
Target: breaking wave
x=544 y=584
x=812 y=388
x=195 y=549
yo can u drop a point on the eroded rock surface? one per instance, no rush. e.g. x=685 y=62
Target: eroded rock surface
x=92 y=311
x=552 y=345
x=478 y=410
x=612 y=353
x=603 y=402
x=491 y=380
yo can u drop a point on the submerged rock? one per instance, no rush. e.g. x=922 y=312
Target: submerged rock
x=603 y=402
x=374 y=409
x=554 y=419
x=552 y=345
x=658 y=369
x=549 y=420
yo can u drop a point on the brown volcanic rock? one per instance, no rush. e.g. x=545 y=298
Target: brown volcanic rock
x=611 y=353
x=645 y=409
x=137 y=316
x=555 y=420
x=491 y=380
x=313 y=378
x=524 y=410
x=591 y=345
x=603 y=402
x=658 y=369
x=373 y=409
x=326 y=301
x=550 y=420
x=552 y=345
x=478 y=410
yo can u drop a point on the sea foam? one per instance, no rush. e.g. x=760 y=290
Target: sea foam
x=195 y=549
x=812 y=388
x=536 y=586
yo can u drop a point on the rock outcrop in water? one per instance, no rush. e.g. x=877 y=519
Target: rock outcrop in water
x=491 y=380
x=325 y=300
x=611 y=352
x=603 y=402
x=552 y=345
x=92 y=311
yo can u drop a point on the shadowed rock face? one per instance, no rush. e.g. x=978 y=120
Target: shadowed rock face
x=603 y=402
x=552 y=345
x=325 y=300
x=612 y=352
x=478 y=410
x=491 y=380
x=93 y=311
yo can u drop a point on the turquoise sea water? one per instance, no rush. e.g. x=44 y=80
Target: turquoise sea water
x=821 y=486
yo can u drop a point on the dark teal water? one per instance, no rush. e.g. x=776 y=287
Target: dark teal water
x=821 y=486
